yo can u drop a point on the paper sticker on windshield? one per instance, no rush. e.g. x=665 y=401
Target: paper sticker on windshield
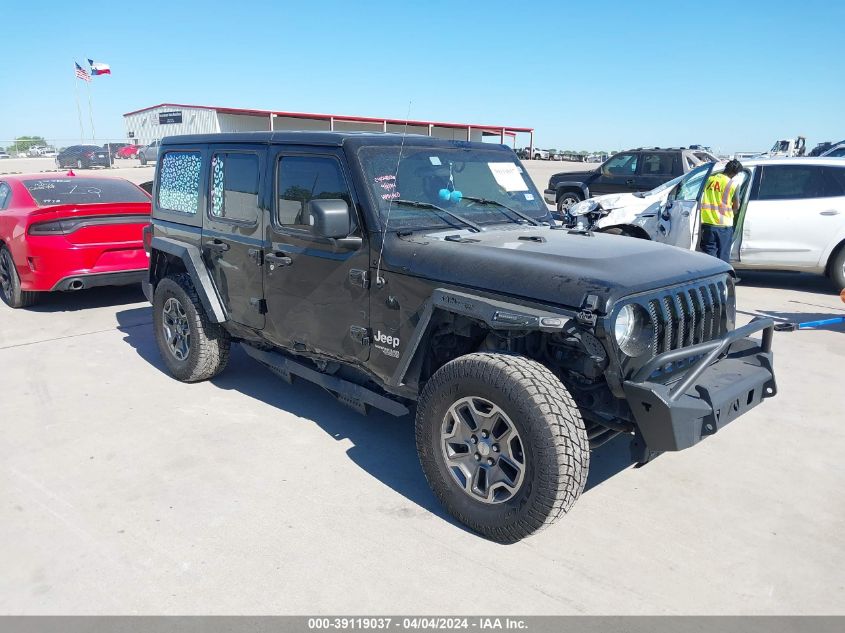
x=508 y=176
x=434 y=160
x=529 y=196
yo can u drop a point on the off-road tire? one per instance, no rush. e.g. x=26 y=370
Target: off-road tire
x=837 y=269
x=567 y=199
x=209 y=342
x=12 y=294
x=555 y=444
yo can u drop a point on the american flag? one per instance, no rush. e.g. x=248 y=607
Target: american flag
x=81 y=73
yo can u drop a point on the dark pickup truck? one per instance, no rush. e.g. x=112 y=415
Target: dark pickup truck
x=417 y=274
x=626 y=172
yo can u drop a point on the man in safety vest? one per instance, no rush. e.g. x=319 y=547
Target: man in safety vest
x=718 y=204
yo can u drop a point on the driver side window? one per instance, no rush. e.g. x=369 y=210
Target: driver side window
x=621 y=165
x=301 y=179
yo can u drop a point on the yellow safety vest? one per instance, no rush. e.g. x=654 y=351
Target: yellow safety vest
x=717 y=201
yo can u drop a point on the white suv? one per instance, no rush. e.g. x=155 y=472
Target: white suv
x=792 y=215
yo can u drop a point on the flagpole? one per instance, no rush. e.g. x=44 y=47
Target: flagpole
x=90 y=111
x=78 y=108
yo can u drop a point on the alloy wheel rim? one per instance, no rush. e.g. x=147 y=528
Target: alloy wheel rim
x=5 y=274
x=177 y=331
x=483 y=450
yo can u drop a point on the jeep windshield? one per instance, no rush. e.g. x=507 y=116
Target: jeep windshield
x=479 y=185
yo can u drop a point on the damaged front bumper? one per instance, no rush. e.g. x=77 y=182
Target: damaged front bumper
x=733 y=375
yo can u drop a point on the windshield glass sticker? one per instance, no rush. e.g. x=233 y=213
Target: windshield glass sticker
x=529 y=196
x=434 y=160
x=387 y=184
x=508 y=176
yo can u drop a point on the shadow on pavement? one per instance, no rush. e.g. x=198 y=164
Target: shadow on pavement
x=382 y=445
x=787 y=281
x=87 y=299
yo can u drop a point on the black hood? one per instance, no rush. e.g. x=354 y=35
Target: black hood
x=573 y=176
x=551 y=266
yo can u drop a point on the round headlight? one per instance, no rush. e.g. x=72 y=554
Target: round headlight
x=623 y=327
x=632 y=330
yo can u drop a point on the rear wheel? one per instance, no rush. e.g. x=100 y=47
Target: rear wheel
x=502 y=444
x=193 y=348
x=837 y=269
x=10 y=283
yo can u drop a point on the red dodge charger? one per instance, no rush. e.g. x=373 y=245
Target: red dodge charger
x=67 y=232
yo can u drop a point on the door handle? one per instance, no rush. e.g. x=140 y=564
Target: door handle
x=830 y=212
x=278 y=259
x=630 y=181
x=217 y=246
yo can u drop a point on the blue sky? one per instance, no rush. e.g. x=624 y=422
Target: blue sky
x=586 y=75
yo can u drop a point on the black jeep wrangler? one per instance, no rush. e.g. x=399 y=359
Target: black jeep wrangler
x=411 y=272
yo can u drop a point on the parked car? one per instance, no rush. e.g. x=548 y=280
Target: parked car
x=820 y=148
x=424 y=273
x=149 y=153
x=792 y=214
x=69 y=233
x=633 y=170
x=540 y=154
x=113 y=148
x=83 y=157
x=4 y=154
x=127 y=151
x=49 y=152
x=837 y=151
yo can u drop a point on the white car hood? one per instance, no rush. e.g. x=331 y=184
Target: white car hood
x=625 y=207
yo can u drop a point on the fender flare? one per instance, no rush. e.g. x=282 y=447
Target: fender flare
x=191 y=258
x=573 y=184
x=497 y=315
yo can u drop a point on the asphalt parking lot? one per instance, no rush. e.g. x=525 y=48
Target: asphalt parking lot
x=124 y=491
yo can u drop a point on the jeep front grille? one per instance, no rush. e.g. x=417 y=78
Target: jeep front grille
x=687 y=316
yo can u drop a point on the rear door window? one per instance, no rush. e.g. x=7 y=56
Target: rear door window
x=791 y=182
x=834 y=181
x=234 y=186
x=179 y=182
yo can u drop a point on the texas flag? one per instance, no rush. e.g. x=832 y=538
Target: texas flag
x=99 y=68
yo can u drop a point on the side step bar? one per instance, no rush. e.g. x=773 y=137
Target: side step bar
x=348 y=393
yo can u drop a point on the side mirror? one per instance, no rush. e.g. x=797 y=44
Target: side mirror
x=329 y=218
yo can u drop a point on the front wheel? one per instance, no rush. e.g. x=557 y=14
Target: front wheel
x=837 y=269
x=568 y=199
x=619 y=230
x=502 y=444
x=142 y=158
x=193 y=348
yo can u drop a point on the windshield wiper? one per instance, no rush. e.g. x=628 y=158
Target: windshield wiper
x=427 y=205
x=524 y=216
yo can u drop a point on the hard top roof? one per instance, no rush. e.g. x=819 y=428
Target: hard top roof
x=321 y=138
